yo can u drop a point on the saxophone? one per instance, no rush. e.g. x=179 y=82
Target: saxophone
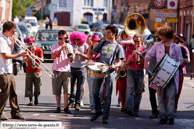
x=121 y=73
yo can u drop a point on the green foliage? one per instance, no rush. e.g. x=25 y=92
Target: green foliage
x=22 y=5
x=14 y=9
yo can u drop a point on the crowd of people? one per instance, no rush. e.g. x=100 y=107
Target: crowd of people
x=129 y=54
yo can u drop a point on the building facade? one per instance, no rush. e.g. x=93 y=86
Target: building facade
x=6 y=10
x=72 y=12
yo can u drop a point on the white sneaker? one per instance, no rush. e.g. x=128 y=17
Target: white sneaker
x=93 y=111
x=81 y=103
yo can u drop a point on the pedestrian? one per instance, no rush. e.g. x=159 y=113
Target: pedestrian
x=33 y=73
x=7 y=83
x=46 y=23
x=135 y=76
x=51 y=23
x=109 y=52
x=192 y=42
x=61 y=70
x=16 y=19
x=166 y=46
x=180 y=39
x=78 y=40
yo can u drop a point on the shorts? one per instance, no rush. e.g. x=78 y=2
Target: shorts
x=61 y=79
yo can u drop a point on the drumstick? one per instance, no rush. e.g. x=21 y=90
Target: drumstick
x=94 y=31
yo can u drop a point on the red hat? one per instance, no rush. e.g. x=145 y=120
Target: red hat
x=30 y=40
x=95 y=37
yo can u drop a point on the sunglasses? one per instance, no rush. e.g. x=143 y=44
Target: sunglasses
x=60 y=38
x=137 y=41
x=76 y=39
x=13 y=32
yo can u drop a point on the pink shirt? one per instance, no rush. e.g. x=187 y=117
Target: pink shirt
x=133 y=63
x=61 y=63
x=97 y=57
x=158 y=49
x=188 y=54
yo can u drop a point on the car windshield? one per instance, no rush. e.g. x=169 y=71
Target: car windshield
x=33 y=23
x=31 y=20
x=82 y=27
x=47 y=36
x=22 y=28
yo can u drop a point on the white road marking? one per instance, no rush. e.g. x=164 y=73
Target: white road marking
x=36 y=114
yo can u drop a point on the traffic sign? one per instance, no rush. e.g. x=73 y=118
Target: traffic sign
x=159 y=3
x=172 y=4
x=163 y=14
x=158 y=19
x=156 y=25
x=172 y=20
x=114 y=12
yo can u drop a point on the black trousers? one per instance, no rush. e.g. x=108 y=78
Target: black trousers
x=152 y=95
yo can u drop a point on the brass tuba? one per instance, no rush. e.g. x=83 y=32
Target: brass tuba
x=134 y=23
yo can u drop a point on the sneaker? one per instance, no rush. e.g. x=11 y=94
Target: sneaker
x=2 y=118
x=18 y=117
x=171 y=121
x=92 y=111
x=95 y=116
x=58 y=110
x=66 y=110
x=104 y=121
x=36 y=101
x=30 y=104
x=162 y=121
x=81 y=103
x=153 y=116
x=77 y=107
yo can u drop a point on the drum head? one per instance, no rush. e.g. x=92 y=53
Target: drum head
x=97 y=66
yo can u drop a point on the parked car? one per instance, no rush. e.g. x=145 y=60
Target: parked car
x=45 y=39
x=97 y=33
x=82 y=28
x=29 y=28
x=88 y=23
x=34 y=28
x=31 y=19
x=98 y=25
x=24 y=29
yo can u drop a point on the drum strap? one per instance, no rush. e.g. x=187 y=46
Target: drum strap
x=99 y=49
x=175 y=53
x=114 y=55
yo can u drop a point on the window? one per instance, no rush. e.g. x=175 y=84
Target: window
x=62 y=3
x=105 y=3
x=88 y=2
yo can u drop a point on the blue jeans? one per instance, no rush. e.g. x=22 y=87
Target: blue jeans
x=108 y=92
x=167 y=111
x=90 y=86
x=134 y=89
x=79 y=75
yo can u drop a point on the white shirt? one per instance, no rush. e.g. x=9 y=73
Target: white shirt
x=146 y=32
x=5 y=65
x=16 y=20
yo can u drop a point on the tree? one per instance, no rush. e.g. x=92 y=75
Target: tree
x=14 y=9
x=22 y=5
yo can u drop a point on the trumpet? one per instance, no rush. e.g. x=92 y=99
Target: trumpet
x=69 y=54
x=121 y=73
x=38 y=65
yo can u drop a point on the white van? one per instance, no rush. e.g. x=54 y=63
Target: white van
x=31 y=19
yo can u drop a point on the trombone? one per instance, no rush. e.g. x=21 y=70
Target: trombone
x=26 y=49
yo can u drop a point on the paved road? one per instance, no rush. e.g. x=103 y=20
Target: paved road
x=81 y=119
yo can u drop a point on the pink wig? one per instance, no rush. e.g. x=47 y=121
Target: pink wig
x=78 y=35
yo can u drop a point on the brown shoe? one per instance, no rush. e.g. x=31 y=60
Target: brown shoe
x=30 y=104
x=77 y=107
x=153 y=116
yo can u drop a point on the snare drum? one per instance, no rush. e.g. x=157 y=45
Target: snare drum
x=97 y=70
x=164 y=71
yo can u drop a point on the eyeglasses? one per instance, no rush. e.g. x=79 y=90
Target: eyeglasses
x=76 y=39
x=13 y=31
x=60 y=38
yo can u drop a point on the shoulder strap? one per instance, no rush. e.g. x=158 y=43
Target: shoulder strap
x=99 y=49
x=114 y=54
x=175 y=53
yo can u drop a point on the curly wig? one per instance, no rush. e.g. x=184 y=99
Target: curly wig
x=78 y=35
x=165 y=31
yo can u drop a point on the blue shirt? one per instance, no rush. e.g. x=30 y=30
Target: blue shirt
x=107 y=51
